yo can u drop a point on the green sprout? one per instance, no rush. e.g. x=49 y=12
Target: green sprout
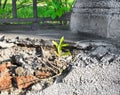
x=59 y=48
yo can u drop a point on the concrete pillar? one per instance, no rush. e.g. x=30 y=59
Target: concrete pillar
x=99 y=17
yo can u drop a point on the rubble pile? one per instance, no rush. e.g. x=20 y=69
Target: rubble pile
x=27 y=64
x=95 y=70
x=30 y=67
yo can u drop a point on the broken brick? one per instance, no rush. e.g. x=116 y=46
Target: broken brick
x=40 y=74
x=5 y=81
x=4 y=66
x=24 y=81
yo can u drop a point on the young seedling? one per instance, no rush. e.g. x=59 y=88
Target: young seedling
x=59 y=48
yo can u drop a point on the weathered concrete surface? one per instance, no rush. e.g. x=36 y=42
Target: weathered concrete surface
x=43 y=33
x=101 y=17
x=91 y=74
x=95 y=70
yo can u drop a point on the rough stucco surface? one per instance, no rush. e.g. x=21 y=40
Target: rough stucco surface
x=95 y=71
x=101 y=17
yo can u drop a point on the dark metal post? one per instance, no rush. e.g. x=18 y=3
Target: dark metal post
x=35 y=24
x=35 y=8
x=14 y=9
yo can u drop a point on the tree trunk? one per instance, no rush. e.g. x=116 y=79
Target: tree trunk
x=0 y=3
x=4 y=4
x=100 y=17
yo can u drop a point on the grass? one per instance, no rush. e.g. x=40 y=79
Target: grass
x=27 y=10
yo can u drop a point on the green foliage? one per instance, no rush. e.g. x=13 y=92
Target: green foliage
x=46 y=8
x=56 y=8
x=59 y=46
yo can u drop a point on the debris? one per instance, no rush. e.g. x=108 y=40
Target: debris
x=6 y=45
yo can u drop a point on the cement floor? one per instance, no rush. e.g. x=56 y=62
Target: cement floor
x=45 y=33
x=49 y=33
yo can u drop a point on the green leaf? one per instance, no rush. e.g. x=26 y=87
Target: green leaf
x=56 y=54
x=59 y=13
x=65 y=9
x=58 y=5
x=59 y=47
x=61 y=40
x=48 y=12
x=55 y=43
x=65 y=45
x=53 y=16
x=59 y=50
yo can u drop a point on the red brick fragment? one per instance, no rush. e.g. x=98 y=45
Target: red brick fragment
x=4 y=66
x=41 y=75
x=5 y=81
x=24 y=81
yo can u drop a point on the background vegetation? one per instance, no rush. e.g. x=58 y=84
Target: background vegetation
x=46 y=8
